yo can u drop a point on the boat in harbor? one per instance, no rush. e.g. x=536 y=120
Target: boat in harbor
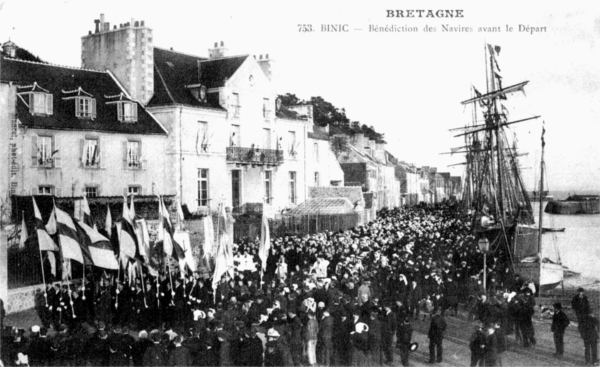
x=494 y=192
x=575 y=204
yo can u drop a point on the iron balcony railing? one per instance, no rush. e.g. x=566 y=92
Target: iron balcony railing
x=255 y=156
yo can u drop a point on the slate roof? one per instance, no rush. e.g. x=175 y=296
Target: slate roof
x=56 y=79
x=318 y=134
x=324 y=206
x=173 y=71
x=353 y=194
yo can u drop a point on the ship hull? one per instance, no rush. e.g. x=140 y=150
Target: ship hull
x=573 y=207
x=546 y=277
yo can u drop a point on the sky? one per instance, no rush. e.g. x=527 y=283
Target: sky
x=407 y=85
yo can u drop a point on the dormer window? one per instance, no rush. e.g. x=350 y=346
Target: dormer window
x=198 y=91
x=39 y=100
x=127 y=111
x=85 y=107
x=85 y=103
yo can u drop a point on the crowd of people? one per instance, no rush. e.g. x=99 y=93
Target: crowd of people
x=336 y=298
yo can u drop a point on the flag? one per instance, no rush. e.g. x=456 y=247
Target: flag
x=543 y=133
x=180 y=217
x=100 y=248
x=265 y=241
x=170 y=246
x=51 y=225
x=183 y=239
x=52 y=261
x=68 y=236
x=132 y=209
x=494 y=51
x=143 y=238
x=44 y=240
x=24 y=235
x=108 y=222
x=87 y=215
x=209 y=237
x=127 y=237
x=221 y=263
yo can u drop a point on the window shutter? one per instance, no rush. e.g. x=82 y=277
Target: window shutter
x=77 y=108
x=102 y=155
x=82 y=146
x=134 y=112
x=93 y=105
x=35 y=191
x=31 y=103
x=142 y=157
x=125 y=191
x=34 y=151
x=144 y=191
x=49 y=104
x=57 y=156
x=99 y=191
x=57 y=192
x=120 y=109
x=125 y=154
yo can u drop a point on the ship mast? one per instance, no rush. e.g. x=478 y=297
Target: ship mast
x=541 y=190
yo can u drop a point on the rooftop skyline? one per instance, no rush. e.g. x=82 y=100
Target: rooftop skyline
x=408 y=85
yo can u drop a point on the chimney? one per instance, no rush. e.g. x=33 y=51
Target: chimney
x=266 y=65
x=358 y=141
x=10 y=49
x=97 y=22
x=102 y=19
x=218 y=51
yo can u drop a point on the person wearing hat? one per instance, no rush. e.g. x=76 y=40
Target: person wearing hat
x=560 y=321
x=437 y=328
x=477 y=346
x=325 y=338
x=588 y=328
x=491 y=345
x=375 y=337
x=580 y=304
x=311 y=333
x=404 y=338
x=273 y=353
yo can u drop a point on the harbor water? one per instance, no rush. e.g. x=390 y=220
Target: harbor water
x=578 y=246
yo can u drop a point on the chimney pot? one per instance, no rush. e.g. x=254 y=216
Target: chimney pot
x=216 y=44
x=89 y=32
x=107 y=26
x=266 y=56
x=142 y=23
x=114 y=27
x=171 y=48
x=222 y=44
x=261 y=57
x=101 y=17
x=97 y=22
x=137 y=24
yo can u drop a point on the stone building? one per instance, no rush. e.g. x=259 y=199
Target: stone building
x=77 y=131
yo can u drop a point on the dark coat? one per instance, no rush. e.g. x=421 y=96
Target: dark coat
x=581 y=305
x=477 y=342
x=437 y=328
x=179 y=356
x=155 y=355
x=389 y=323
x=404 y=334
x=491 y=350
x=588 y=327
x=560 y=321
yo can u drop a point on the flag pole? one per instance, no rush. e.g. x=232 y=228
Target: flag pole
x=42 y=264
x=143 y=286
x=70 y=295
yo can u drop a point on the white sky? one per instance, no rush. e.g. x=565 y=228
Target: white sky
x=407 y=85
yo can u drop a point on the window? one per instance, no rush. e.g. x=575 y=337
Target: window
x=266 y=138
x=40 y=103
x=236 y=105
x=316 y=178
x=292 y=187
x=133 y=190
x=203 y=187
x=133 y=155
x=266 y=109
x=85 y=107
x=202 y=139
x=91 y=153
x=44 y=147
x=46 y=190
x=268 y=187
x=316 y=151
x=92 y=191
x=235 y=136
x=127 y=111
x=291 y=142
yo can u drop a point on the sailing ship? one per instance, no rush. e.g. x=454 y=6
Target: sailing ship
x=494 y=194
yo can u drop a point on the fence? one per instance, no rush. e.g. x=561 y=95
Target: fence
x=297 y=225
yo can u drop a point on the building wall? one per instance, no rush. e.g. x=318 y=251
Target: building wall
x=324 y=163
x=111 y=178
x=127 y=52
x=8 y=140
x=355 y=174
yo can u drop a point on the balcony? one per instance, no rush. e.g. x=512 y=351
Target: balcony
x=254 y=156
